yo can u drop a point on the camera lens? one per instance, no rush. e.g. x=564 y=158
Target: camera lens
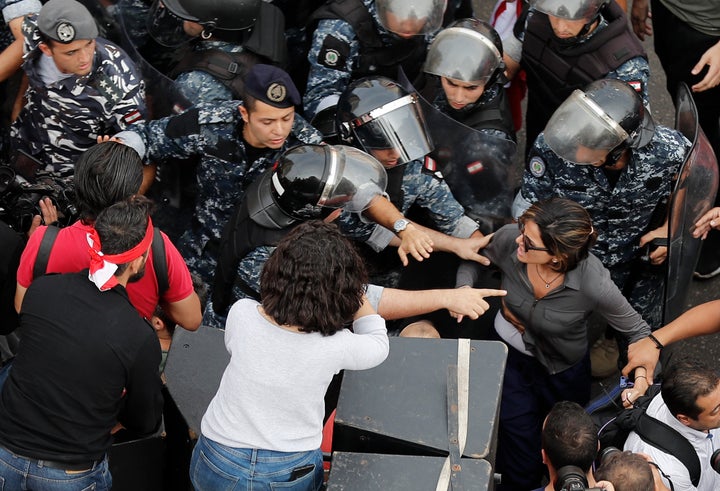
x=715 y=461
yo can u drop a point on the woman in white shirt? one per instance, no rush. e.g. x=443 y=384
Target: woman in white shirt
x=264 y=426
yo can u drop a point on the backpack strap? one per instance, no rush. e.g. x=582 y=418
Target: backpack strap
x=43 y=255
x=667 y=439
x=160 y=262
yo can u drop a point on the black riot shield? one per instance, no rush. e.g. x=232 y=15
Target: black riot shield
x=477 y=166
x=694 y=195
x=162 y=94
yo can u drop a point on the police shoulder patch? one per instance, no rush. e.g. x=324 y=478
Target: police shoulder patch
x=333 y=53
x=537 y=166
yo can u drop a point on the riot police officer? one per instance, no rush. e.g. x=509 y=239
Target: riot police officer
x=307 y=182
x=564 y=45
x=602 y=150
x=474 y=135
x=381 y=117
x=357 y=38
x=227 y=36
x=310 y=182
x=236 y=142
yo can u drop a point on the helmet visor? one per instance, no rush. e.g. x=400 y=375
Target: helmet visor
x=394 y=133
x=580 y=132
x=463 y=54
x=165 y=27
x=568 y=9
x=355 y=179
x=408 y=18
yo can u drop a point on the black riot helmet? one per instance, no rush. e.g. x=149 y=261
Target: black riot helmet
x=165 y=20
x=376 y=113
x=469 y=50
x=309 y=181
x=607 y=117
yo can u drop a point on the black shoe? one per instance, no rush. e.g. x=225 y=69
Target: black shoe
x=708 y=265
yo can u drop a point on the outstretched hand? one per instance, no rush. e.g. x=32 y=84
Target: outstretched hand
x=711 y=59
x=415 y=242
x=469 y=248
x=470 y=302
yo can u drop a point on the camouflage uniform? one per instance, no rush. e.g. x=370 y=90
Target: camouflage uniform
x=333 y=56
x=622 y=213
x=62 y=120
x=11 y=9
x=214 y=133
x=422 y=188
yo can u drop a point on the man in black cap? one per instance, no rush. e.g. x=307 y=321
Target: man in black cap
x=236 y=142
x=80 y=87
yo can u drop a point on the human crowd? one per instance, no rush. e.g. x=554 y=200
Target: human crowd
x=315 y=176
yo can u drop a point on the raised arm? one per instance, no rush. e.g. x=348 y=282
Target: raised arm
x=700 y=320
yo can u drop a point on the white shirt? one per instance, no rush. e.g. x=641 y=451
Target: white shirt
x=704 y=444
x=271 y=394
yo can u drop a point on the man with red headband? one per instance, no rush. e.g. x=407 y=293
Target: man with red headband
x=86 y=361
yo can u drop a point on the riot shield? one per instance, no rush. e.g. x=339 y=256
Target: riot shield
x=162 y=94
x=694 y=194
x=477 y=166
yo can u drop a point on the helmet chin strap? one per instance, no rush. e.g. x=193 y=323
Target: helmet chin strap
x=614 y=155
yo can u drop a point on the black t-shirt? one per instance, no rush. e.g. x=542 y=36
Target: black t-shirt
x=86 y=360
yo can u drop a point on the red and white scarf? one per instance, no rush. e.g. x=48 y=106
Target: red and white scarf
x=103 y=266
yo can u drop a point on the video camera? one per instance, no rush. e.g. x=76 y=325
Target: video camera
x=19 y=198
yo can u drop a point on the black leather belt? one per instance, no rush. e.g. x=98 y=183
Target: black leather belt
x=66 y=466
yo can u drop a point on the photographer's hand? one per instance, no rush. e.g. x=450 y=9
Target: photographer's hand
x=48 y=215
x=605 y=485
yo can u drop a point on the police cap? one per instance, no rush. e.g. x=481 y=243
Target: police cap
x=66 y=20
x=271 y=85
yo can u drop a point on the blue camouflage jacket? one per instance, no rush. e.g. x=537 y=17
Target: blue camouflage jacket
x=213 y=132
x=620 y=213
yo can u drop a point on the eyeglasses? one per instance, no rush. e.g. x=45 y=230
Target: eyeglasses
x=527 y=245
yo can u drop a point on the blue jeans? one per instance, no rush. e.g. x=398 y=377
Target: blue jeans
x=18 y=473
x=216 y=467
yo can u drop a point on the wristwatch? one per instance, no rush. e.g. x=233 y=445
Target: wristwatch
x=400 y=225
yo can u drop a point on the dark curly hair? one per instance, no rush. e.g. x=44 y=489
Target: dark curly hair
x=314 y=280
x=565 y=228
x=105 y=174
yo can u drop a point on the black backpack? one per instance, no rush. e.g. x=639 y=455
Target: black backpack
x=615 y=426
x=158 y=254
